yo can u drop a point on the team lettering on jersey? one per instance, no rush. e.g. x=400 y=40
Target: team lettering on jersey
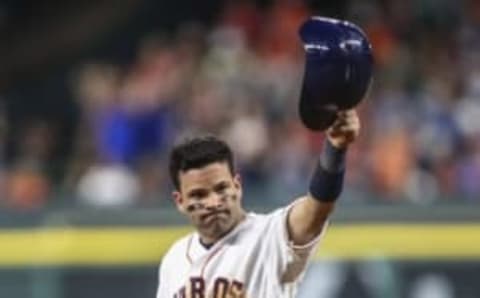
x=222 y=288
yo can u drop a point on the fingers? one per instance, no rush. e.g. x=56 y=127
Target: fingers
x=345 y=129
x=346 y=121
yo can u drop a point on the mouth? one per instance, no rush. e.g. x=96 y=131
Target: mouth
x=214 y=215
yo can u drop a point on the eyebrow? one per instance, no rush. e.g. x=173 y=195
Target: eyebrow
x=196 y=191
x=222 y=183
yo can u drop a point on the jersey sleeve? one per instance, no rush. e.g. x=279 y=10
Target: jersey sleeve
x=162 y=288
x=290 y=259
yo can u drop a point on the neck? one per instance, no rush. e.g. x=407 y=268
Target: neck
x=205 y=245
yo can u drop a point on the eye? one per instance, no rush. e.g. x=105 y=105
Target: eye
x=198 y=194
x=221 y=187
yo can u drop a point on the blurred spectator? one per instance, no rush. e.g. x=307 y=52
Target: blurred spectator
x=241 y=78
x=27 y=184
x=27 y=188
x=392 y=161
x=3 y=170
x=467 y=172
x=108 y=186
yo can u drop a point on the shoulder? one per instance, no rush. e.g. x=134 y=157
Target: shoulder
x=265 y=221
x=274 y=223
x=265 y=217
x=276 y=214
x=176 y=250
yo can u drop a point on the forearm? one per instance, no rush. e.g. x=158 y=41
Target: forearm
x=308 y=215
x=326 y=183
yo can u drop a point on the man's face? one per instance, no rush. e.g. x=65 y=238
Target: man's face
x=210 y=197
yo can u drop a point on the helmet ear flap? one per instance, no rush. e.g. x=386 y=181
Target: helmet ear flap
x=338 y=70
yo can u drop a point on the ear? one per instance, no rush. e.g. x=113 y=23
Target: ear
x=178 y=198
x=237 y=182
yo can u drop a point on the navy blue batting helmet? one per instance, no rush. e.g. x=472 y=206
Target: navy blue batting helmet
x=338 y=69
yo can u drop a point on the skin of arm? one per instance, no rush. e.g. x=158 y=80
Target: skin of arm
x=308 y=215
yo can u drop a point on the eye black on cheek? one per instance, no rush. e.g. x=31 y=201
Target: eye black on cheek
x=193 y=207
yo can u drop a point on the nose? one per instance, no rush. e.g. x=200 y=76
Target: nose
x=214 y=201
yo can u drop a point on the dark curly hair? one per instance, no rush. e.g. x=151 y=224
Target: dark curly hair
x=198 y=152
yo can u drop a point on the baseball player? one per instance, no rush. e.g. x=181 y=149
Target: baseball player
x=234 y=253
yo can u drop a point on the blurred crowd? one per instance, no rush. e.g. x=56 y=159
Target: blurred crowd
x=240 y=79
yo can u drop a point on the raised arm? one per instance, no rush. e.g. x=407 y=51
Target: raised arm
x=308 y=215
